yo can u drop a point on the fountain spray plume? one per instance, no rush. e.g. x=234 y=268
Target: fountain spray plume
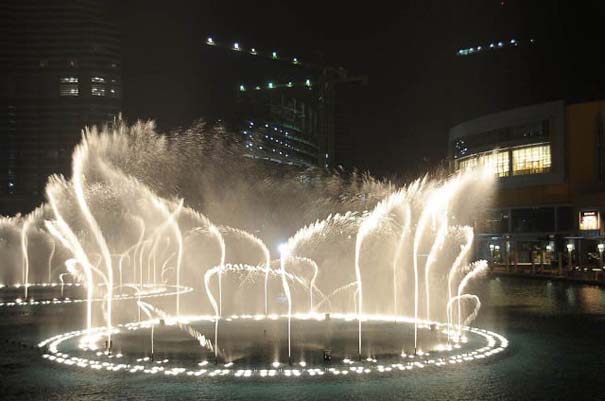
x=263 y=248
x=458 y=299
x=25 y=253
x=284 y=254
x=406 y=211
x=476 y=269
x=145 y=307
x=177 y=233
x=179 y=322
x=439 y=210
x=289 y=248
x=79 y=158
x=369 y=224
x=465 y=248
x=50 y=258
x=221 y=241
x=215 y=307
x=61 y=231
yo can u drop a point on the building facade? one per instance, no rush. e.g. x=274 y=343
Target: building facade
x=289 y=111
x=280 y=123
x=550 y=196
x=61 y=71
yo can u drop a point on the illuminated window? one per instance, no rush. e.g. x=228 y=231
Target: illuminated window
x=97 y=80
x=497 y=162
x=98 y=90
x=68 y=86
x=471 y=162
x=531 y=160
x=589 y=220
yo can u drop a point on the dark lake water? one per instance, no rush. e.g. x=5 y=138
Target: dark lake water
x=557 y=352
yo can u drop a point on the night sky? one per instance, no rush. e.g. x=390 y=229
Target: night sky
x=418 y=86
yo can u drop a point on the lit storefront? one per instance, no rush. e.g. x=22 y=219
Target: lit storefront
x=550 y=162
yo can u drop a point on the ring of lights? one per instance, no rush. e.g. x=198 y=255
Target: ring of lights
x=494 y=343
x=153 y=292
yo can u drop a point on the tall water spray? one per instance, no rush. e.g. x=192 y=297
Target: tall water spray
x=121 y=213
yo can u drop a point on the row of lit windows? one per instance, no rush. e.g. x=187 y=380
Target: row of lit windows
x=68 y=86
x=499 y=161
x=531 y=160
x=527 y=160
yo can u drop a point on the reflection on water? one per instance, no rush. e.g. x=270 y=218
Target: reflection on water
x=543 y=297
x=557 y=334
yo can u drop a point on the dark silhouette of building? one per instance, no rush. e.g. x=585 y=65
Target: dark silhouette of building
x=514 y=53
x=61 y=71
x=289 y=111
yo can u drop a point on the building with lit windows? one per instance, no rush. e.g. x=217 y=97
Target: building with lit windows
x=281 y=123
x=61 y=71
x=550 y=162
x=289 y=111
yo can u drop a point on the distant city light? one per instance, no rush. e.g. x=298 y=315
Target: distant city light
x=236 y=46
x=500 y=44
x=210 y=41
x=253 y=51
x=242 y=88
x=270 y=85
x=295 y=60
x=274 y=55
x=308 y=82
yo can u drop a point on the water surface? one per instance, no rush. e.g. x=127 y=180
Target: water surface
x=557 y=352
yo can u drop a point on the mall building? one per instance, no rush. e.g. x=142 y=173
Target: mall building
x=550 y=197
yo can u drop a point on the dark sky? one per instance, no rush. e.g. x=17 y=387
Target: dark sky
x=418 y=87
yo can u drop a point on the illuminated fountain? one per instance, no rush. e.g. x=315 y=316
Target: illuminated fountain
x=377 y=283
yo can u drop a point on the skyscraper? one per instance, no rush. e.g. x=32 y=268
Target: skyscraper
x=288 y=110
x=61 y=71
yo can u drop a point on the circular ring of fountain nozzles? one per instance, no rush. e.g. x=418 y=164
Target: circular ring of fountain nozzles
x=90 y=355
x=146 y=293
